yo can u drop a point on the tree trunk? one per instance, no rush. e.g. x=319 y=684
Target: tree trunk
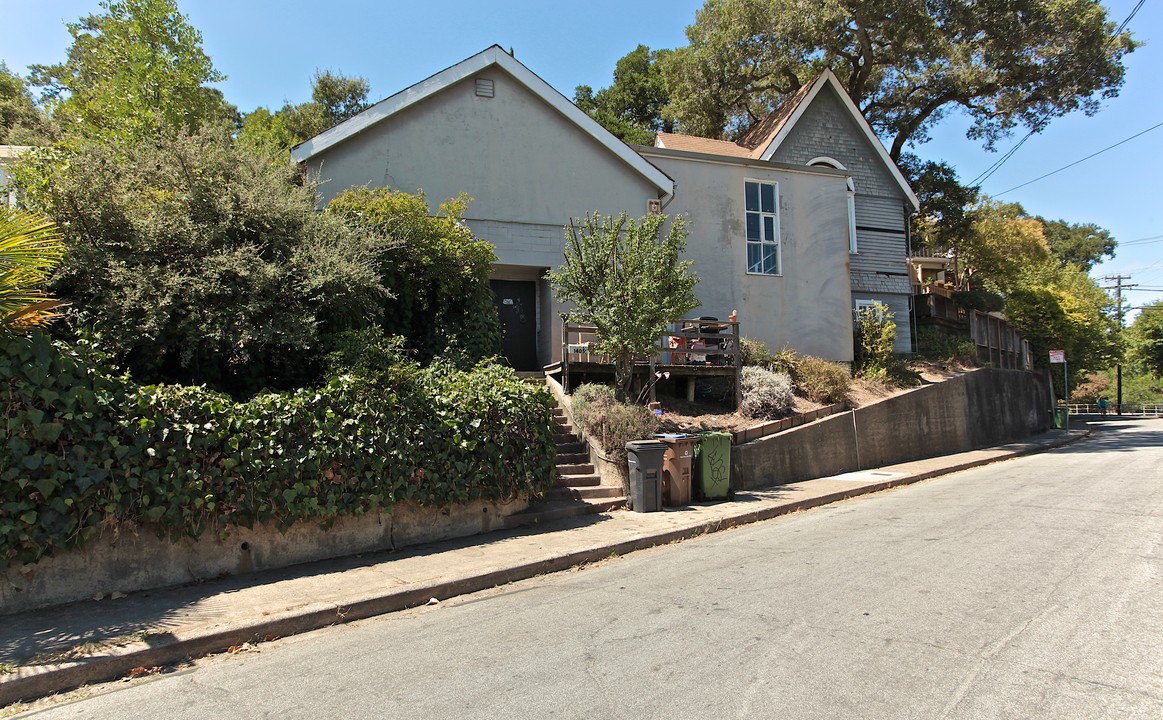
x=623 y=377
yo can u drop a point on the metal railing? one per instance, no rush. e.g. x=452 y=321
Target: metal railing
x=1140 y=410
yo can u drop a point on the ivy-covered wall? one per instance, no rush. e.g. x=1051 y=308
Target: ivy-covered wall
x=82 y=448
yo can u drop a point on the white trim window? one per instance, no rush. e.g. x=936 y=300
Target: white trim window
x=761 y=206
x=851 y=217
x=824 y=161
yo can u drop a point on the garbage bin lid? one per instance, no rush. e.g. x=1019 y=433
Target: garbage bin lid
x=671 y=436
x=645 y=445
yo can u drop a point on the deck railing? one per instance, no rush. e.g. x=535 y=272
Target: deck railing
x=693 y=347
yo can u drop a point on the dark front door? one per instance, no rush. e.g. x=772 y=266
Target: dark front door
x=516 y=302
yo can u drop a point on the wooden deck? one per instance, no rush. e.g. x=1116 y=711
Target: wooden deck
x=698 y=348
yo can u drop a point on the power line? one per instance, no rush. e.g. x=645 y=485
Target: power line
x=1141 y=241
x=1041 y=122
x=1066 y=167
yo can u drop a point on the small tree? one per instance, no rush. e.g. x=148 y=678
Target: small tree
x=875 y=334
x=626 y=282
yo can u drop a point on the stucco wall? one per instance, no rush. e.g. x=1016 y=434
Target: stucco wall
x=979 y=409
x=519 y=159
x=132 y=559
x=808 y=306
x=527 y=168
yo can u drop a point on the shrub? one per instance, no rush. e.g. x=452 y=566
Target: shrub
x=875 y=334
x=756 y=354
x=766 y=395
x=821 y=380
x=196 y=261
x=436 y=269
x=899 y=373
x=368 y=353
x=935 y=344
x=85 y=449
x=609 y=423
x=1091 y=389
x=979 y=300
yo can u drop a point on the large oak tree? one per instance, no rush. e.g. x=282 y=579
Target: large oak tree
x=906 y=63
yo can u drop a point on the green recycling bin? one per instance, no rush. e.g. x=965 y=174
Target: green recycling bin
x=1061 y=418
x=712 y=475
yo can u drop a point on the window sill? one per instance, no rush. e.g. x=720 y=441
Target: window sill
x=758 y=274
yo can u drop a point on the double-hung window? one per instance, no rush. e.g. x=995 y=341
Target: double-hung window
x=761 y=206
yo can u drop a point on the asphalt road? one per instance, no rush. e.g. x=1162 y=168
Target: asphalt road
x=1028 y=589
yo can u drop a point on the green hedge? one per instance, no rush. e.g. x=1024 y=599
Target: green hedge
x=82 y=448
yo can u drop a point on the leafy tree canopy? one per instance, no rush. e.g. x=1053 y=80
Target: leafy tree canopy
x=1002 y=245
x=198 y=261
x=135 y=70
x=627 y=282
x=1084 y=245
x=334 y=98
x=631 y=108
x=1063 y=308
x=21 y=121
x=906 y=63
x=1146 y=339
x=945 y=217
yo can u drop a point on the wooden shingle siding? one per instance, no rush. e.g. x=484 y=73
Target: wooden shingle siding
x=880 y=212
x=879 y=252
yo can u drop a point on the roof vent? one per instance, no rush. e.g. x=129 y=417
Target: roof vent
x=484 y=88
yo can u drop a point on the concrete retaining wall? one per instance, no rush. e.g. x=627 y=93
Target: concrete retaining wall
x=132 y=559
x=979 y=409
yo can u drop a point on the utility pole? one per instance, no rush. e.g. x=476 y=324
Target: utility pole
x=1118 y=287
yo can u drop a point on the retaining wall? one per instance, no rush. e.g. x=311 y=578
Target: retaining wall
x=978 y=409
x=131 y=559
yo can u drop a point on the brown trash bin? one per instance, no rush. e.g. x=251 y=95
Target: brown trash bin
x=677 y=463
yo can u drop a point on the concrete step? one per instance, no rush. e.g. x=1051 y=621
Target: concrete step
x=567 y=437
x=572 y=448
x=578 y=480
x=543 y=512
x=597 y=492
x=578 y=469
x=574 y=458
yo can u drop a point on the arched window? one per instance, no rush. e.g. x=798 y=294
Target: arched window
x=824 y=161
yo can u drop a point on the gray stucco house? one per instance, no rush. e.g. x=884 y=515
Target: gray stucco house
x=792 y=227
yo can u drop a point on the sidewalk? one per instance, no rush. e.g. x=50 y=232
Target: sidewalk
x=58 y=649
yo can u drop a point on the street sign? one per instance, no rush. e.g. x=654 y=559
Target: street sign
x=1057 y=356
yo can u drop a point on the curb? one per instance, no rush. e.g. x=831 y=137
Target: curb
x=35 y=682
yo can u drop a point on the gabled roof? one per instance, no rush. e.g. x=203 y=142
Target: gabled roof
x=763 y=140
x=760 y=135
x=492 y=56
x=693 y=143
x=792 y=110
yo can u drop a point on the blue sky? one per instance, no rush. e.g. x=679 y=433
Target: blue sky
x=270 y=49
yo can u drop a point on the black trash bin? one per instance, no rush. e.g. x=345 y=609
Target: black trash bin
x=644 y=458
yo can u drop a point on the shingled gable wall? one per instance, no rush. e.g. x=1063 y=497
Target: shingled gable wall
x=878 y=270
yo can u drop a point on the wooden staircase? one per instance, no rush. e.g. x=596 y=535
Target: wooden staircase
x=578 y=490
